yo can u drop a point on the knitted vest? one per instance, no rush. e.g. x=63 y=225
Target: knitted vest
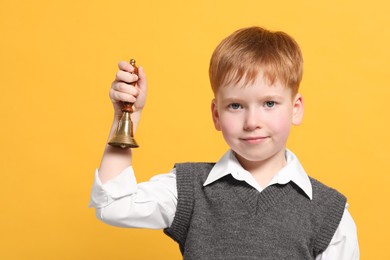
x=229 y=219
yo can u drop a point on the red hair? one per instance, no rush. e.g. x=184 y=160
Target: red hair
x=248 y=51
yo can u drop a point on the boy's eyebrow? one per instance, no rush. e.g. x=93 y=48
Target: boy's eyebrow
x=232 y=99
x=238 y=99
x=270 y=97
x=265 y=97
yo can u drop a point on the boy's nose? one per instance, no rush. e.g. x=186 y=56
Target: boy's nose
x=252 y=121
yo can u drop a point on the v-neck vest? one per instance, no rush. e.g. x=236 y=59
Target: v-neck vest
x=229 y=219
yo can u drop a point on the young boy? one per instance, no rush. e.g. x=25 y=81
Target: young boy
x=256 y=202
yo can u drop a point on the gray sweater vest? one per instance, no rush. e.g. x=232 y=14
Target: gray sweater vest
x=229 y=219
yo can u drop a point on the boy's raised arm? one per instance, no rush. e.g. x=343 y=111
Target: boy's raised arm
x=115 y=160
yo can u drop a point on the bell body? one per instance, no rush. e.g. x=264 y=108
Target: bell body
x=123 y=136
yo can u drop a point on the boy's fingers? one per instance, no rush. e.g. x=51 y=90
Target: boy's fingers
x=121 y=96
x=125 y=76
x=125 y=88
x=125 y=66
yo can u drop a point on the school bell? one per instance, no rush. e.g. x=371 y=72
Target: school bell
x=123 y=136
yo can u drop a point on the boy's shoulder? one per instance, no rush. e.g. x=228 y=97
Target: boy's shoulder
x=328 y=197
x=194 y=169
x=194 y=164
x=320 y=188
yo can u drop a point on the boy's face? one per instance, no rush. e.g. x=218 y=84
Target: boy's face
x=255 y=120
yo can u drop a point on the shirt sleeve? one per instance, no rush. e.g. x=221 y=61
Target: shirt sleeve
x=344 y=244
x=125 y=203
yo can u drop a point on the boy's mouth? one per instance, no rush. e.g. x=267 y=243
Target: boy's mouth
x=254 y=139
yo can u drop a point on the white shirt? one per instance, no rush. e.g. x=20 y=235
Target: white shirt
x=152 y=204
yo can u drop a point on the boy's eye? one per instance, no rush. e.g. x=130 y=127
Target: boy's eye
x=235 y=106
x=269 y=103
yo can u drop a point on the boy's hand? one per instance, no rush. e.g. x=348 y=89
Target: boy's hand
x=122 y=90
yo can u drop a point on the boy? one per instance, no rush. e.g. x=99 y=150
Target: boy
x=256 y=202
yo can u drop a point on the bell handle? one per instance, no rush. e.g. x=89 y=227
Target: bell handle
x=128 y=106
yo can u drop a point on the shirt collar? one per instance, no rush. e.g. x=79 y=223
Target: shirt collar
x=292 y=171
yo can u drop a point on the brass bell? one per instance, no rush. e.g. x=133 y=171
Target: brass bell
x=123 y=136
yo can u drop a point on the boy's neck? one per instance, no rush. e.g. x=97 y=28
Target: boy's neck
x=264 y=171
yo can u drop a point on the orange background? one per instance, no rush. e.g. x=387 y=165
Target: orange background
x=58 y=59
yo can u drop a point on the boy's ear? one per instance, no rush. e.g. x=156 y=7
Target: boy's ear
x=215 y=114
x=297 y=109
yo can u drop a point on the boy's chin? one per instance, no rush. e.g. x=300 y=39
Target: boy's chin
x=259 y=157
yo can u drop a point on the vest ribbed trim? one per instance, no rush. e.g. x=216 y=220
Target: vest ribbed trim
x=336 y=202
x=185 y=191
x=256 y=202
